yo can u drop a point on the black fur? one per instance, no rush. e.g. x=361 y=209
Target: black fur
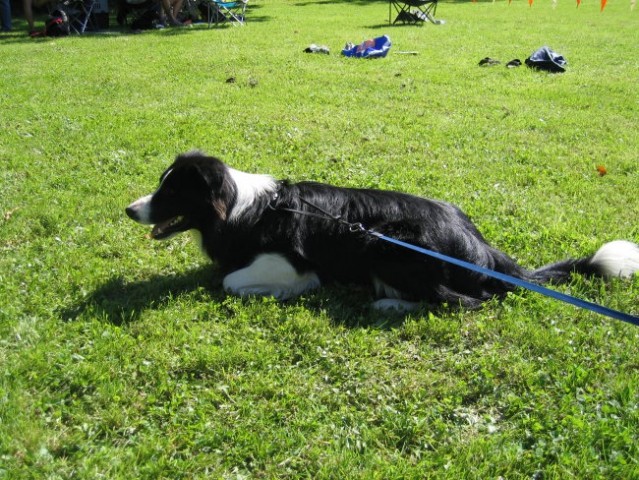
x=202 y=190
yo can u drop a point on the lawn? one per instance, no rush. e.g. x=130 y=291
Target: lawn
x=123 y=358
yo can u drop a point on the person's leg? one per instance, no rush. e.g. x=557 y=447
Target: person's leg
x=5 y=13
x=172 y=8
x=27 y=7
x=177 y=7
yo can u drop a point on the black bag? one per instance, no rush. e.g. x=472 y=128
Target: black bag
x=148 y=20
x=57 y=24
x=546 y=59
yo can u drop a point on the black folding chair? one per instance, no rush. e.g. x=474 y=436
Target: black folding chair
x=412 y=11
x=80 y=14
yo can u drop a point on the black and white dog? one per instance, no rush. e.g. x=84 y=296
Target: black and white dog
x=246 y=225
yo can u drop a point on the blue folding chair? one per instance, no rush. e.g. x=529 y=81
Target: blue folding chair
x=221 y=11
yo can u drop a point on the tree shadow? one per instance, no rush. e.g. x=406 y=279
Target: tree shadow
x=336 y=2
x=19 y=34
x=306 y=3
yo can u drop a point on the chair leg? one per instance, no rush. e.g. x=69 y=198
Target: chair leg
x=222 y=13
x=210 y=11
x=420 y=14
x=213 y=10
x=87 y=16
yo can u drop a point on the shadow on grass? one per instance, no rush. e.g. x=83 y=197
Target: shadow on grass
x=337 y=2
x=306 y=3
x=19 y=33
x=121 y=302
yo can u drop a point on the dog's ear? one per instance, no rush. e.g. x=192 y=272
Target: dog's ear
x=219 y=189
x=224 y=195
x=220 y=207
x=209 y=180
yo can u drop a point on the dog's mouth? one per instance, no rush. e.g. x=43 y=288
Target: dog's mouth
x=170 y=227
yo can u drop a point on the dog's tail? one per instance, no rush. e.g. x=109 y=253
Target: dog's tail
x=615 y=259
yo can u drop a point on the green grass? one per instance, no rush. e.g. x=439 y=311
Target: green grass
x=122 y=358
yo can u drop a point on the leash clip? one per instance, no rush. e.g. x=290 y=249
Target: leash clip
x=356 y=227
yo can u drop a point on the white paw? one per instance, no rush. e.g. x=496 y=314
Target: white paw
x=394 y=304
x=262 y=291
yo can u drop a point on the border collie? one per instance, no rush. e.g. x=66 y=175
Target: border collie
x=268 y=240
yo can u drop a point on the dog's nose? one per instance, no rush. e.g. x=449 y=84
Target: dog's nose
x=140 y=210
x=131 y=212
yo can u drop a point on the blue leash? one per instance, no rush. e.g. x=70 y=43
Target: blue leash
x=594 y=307
x=358 y=227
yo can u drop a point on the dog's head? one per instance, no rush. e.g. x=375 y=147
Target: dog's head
x=195 y=189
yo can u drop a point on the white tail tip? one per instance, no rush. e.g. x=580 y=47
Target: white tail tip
x=617 y=259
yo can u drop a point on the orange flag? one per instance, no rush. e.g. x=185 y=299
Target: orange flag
x=603 y=4
x=530 y=2
x=578 y=3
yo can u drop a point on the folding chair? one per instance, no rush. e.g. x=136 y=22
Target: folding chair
x=412 y=11
x=220 y=11
x=79 y=13
x=139 y=14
